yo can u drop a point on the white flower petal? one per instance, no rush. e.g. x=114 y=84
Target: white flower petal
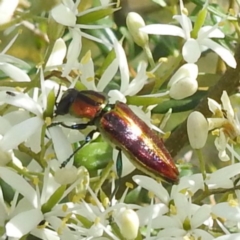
x=153 y=186
x=191 y=183
x=234 y=236
x=14 y=73
x=183 y=88
x=171 y=233
x=183 y=206
x=197 y=128
x=223 y=156
x=221 y=141
x=123 y=65
x=191 y=51
x=210 y=32
x=3 y=209
x=63 y=15
x=225 y=173
x=148 y=213
x=20 y=132
x=226 y=211
x=34 y=141
x=19 y=184
x=216 y=123
x=138 y=82
x=11 y=59
x=163 y=29
x=166 y=222
x=73 y=52
x=58 y=53
x=61 y=145
x=227 y=106
x=214 y=106
x=108 y=75
x=95 y=39
x=87 y=73
x=4 y=125
x=200 y=216
x=20 y=100
x=23 y=223
x=185 y=23
x=224 y=53
x=115 y=95
x=45 y=234
x=201 y=234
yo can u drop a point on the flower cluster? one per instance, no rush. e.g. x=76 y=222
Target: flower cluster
x=60 y=183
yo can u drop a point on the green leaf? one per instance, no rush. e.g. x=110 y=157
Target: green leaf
x=96 y=15
x=144 y=101
x=94 y=156
x=8 y=191
x=50 y=104
x=211 y=8
x=180 y=105
x=85 y=222
x=107 y=61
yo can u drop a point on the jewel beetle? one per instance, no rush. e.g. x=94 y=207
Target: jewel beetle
x=122 y=129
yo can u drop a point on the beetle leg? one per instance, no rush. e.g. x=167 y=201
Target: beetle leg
x=87 y=140
x=119 y=172
x=119 y=163
x=74 y=126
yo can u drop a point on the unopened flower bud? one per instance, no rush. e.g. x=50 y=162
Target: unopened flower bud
x=183 y=83
x=197 y=128
x=66 y=175
x=128 y=223
x=134 y=22
x=183 y=88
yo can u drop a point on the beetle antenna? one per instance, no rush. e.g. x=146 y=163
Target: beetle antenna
x=87 y=140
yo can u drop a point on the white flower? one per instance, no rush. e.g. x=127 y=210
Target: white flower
x=17 y=134
x=226 y=122
x=192 y=48
x=39 y=206
x=183 y=218
x=66 y=13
